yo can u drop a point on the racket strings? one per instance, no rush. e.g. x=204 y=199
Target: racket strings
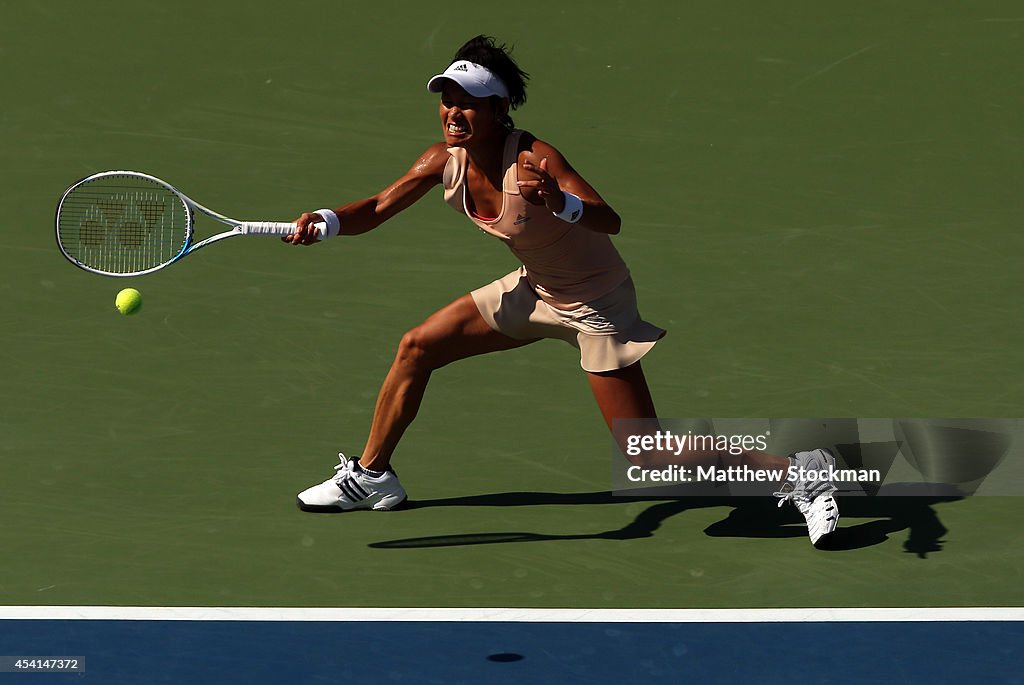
x=122 y=224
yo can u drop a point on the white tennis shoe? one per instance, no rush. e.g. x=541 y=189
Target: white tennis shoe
x=811 y=493
x=350 y=488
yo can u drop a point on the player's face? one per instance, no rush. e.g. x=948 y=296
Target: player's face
x=465 y=118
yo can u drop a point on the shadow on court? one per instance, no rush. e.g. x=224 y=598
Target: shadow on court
x=748 y=517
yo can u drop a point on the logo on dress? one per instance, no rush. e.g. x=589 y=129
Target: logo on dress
x=595 y=321
x=521 y=219
x=461 y=67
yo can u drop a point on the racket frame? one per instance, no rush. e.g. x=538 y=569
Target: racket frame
x=238 y=227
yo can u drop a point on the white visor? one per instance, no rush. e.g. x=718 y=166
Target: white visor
x=478 y=81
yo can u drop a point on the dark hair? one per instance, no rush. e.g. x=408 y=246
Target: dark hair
x=485 y=51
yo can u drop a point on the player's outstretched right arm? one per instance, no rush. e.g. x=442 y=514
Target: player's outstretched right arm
x=365 y=215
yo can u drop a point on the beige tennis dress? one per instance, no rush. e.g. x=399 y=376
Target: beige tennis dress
x=572 y=285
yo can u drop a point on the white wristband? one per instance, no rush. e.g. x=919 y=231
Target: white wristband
x=332 y=221
x=573 y=210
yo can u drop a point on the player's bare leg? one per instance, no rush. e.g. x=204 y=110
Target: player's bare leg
x=624 y=394
x=455 y=332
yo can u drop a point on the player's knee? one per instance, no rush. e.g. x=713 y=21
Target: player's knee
x=416 y=350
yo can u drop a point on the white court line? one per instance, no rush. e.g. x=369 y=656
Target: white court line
x=512 y=615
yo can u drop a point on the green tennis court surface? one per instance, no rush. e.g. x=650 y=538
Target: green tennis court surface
x=821 y=204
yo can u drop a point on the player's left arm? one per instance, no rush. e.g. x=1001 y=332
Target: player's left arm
x=550 y=174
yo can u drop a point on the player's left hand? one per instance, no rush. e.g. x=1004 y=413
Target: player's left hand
x=546 y=185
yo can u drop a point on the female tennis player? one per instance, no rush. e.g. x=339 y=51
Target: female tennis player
x=572 y=285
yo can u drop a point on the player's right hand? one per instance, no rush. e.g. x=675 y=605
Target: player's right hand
x=306 y=233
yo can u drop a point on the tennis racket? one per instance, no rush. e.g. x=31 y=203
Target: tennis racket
x=125 y=223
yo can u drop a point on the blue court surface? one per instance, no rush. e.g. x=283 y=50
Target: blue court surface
x=529 y=651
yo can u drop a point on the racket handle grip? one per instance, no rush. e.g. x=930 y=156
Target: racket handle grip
x=277 y=228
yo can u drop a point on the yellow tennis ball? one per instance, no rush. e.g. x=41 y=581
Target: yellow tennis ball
x=128 y=301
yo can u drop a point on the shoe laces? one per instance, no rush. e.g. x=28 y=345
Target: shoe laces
x=343 y=470
x=789 y=492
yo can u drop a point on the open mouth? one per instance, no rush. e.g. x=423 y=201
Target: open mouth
x=456 y=129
